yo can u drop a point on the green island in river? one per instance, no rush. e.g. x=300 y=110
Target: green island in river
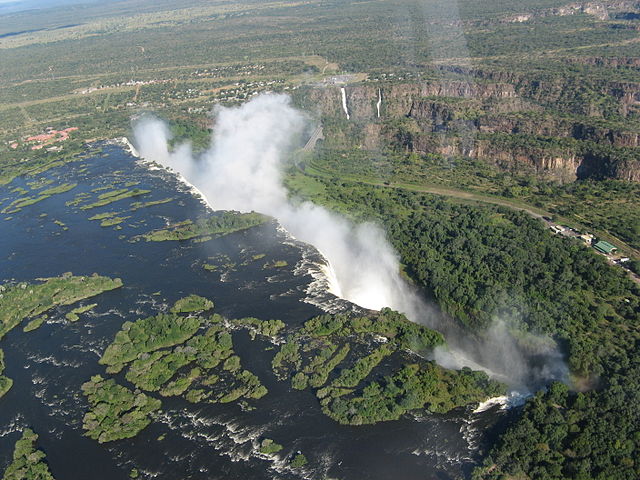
x=25 y=300
x=5 y=382
x=173 y=355
x=223 y=223
x=116 y=412
x=28 y=463
x=192 y=356
x=335 y=354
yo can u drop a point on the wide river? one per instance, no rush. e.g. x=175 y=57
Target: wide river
x=188 y=440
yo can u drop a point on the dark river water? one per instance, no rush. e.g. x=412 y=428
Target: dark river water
x=188 y=441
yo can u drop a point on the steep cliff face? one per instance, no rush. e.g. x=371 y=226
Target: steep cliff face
x=399 y=99
x=628 y=96
x=568 y=92
x=557 y=127
x=559 y=166
x=599 y=10
x=465 y=112
x=407 y=99
x=492 y=104
x=562 y=168
x=606 y=61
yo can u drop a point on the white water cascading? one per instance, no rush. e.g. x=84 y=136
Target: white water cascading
x=379 y=104
x=344 y=102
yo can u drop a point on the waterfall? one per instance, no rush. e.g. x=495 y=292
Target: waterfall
x=344 y=102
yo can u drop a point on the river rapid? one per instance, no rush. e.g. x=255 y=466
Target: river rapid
x=198 y=441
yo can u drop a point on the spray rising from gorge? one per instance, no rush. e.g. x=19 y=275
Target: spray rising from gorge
x=243 y=170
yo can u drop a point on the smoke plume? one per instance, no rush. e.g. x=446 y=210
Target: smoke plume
x=242 y=170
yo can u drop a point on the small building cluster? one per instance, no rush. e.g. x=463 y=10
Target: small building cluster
x=130 y=83
x=589 y=239
x=52 y=136
x=605 y=247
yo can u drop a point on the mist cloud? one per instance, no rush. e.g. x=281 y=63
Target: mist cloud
x=243 y=170
x=526 y=363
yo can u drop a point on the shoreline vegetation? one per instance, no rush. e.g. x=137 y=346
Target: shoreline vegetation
x=603 y=207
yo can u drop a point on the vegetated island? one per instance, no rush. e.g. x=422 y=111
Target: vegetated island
x=116 y=412
x=73 y=315
x=25 y=300
x=192 y=303
x=335 y=354
x=28 y=462
x=218 y=225
x=172 y=355
x=113 y=196
x=18 y=204
x=275 y=264
x=186 y=353
x=109 y=219
x=5 y=382
x=175 y=355
x=270 y=448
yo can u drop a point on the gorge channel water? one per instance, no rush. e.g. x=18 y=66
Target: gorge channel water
x=185 y=440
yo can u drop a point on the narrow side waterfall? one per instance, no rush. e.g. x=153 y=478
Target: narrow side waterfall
x=379 y=104
x=344 y=102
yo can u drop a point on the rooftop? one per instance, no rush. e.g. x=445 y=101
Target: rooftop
x=604 y=247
